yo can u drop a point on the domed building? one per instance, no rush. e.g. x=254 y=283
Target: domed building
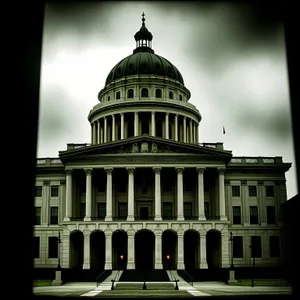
x=145 y=193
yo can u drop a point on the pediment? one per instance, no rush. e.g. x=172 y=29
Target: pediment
x=146 y=145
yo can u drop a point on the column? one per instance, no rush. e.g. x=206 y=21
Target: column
x=157 y=195
x=108 y=216
x=245 y=204
x=197 y=134
x=203 y=261
x=98 y=132
x=184 y=129
x=122 y=126
x=167 y=125
x=180 y=216
x=221 y=172
x=105 y=129
x=153 y=123
x=94 y=133
x=108 y=250
x=86 y=249
x=194 y=130
x=136 y=124
x=225 y=249
x=65 y=249
x=180 y=250
x=158 y=249
x=45 y=217
x=201 y=213
x=68 y=195
x=62 y=200
x=262 y=209
x=113 y=130
x=130 y=216
x=130 y=250
x=88 y=199
x=191 y=131
x=176 y=127
x=101 y=135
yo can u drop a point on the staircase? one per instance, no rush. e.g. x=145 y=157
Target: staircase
x=144 y=276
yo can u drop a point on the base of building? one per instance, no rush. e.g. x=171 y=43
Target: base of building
x=57 y=280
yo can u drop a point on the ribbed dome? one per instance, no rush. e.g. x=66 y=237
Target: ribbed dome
x=144 y=63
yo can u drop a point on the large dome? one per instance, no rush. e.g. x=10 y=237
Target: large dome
x=144 y=62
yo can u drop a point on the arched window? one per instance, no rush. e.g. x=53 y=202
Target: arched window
x=130 y=93
x=158 y=93
x=180 y=97
x=144 y=92
x=171 y=95
x=118 y=95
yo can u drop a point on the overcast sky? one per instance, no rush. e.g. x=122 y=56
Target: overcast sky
x=232 y=61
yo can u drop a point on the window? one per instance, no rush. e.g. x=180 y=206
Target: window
x=101 y=188
x=171 y=95
x=82 y=210
x=38 y=191
x=180 y=97
x=122 y=210
x=54 y=190
x=237 y=246
x=271 y=217
x=144 y=92
x=252 y=191
x=54 y=215
x=37 y=214
x=206 y=209
x=270 y=191
x=52 y=247
x=187 y=185
x=235 y=191
x=255 y=246
x=158 y=93
x=274 y=246
x=236 y=215
x=108 y=98
x=101 y=209
x=130 y=93
x=167 y=210
x=253 y=215
x=118 y=95
x=167 y=184
x=36 y=246
x=187 y=210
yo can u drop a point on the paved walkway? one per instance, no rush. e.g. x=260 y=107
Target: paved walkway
x=131 y=289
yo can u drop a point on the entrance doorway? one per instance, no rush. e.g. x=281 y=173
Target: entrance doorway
x=144 y=249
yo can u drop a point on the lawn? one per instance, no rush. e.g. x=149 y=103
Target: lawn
x=42 y=282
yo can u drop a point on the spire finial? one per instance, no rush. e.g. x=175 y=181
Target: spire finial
x=143 y=19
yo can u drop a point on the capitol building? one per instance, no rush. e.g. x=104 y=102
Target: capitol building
x=146 y=193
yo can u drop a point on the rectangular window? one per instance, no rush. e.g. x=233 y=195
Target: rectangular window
x=54 y=190
x=82 y=210
x=52 y=247
x=37 y=214
x=236 y=215
x=270 y=191
x=122 y=210
x=253 y=215
x=38 y=191
x=274 y=246
x=252 y=191
x=36 y=246
x=206 y=209
x=235 y=191
x=53 y=215
x=188 y=210
x=255 y=246
x=167 y=210
x=101 y=207
x=271 y=217
x=237 y=245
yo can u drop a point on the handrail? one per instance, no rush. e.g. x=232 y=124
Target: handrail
x=97 y=279
x=115 y=279
x=190 y=276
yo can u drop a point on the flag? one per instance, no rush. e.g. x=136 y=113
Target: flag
x=223 y=129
